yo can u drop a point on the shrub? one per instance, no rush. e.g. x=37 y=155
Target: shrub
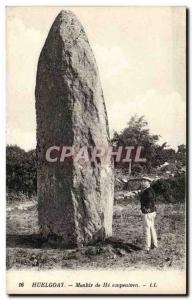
x=21 y=170
x=170 y=189
x=19 y=197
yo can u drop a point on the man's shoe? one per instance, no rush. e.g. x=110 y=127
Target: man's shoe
x=146 y=251
x=153 y=247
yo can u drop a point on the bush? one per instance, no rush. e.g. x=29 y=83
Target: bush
x=21 y=170
x=138 y=169
x=171 y=189
x=13 y=197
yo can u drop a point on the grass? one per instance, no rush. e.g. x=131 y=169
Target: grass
x=25 y=252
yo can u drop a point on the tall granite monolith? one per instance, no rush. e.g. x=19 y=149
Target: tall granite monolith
x=75 y=200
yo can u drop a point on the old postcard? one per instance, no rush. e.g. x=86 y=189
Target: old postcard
x=96 y=150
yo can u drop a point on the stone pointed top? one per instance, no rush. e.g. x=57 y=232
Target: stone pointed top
x=65 y=14
x=65 y=38
x=68 y=26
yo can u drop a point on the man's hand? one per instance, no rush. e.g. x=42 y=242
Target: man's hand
x=146 y=210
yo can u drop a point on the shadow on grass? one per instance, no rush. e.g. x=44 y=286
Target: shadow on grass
x=35 y=241
x=118 y=243
x=24 y=241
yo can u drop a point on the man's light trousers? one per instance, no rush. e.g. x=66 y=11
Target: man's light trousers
x=149 y=230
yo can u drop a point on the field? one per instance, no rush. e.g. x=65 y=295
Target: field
x=122 y=251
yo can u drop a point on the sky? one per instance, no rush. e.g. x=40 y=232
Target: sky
x=140 y=52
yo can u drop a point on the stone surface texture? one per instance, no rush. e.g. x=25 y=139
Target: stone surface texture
x=75 y=201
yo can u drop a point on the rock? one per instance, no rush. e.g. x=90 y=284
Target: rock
x=70 y=255
x=91 y=251
x=75 y=201
x=121 y=252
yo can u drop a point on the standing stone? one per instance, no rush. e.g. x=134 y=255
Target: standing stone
x=75 y=201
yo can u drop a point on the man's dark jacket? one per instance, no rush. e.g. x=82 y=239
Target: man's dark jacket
x=147 y=198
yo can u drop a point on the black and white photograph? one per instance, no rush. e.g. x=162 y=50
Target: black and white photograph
x=96 y=168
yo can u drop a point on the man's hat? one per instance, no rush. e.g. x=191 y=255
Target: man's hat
x=147 y=179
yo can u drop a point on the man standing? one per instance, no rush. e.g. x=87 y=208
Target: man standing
x=147 y=199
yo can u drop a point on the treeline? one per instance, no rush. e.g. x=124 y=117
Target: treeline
x=21 y=170
x=137 y=133
x=21 y=166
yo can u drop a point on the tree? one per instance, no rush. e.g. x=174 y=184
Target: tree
x=181 y=155
x=137 y=134
x=164 y=154
x=21 y=170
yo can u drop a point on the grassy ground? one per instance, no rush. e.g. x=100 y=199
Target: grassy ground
x=123 y=251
